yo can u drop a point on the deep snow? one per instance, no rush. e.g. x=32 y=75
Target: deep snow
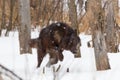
x=79 y=68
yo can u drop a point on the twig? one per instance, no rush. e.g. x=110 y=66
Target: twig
x=58 y=68
x=43 y=70
x=8 y=72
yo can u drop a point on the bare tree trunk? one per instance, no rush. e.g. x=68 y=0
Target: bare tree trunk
x=58 y=14
x=9 y=27
x=73 y=19
x=25 y=25
x=97 y=25
x=73 y=14
x=116 y=10
x=53 y=12
x=117 y=28
x=39 y=10
x=3 y=17
x=43 y=12
x=110 y=29
x=80 y=3
x=61 y=11
x=116 y=7
x=102 y=62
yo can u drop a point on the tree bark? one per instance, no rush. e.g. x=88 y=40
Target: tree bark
x=9 y=27
x=97 y=23
x=25 y=23
x=73 y=14
x=73 y=19
x=102 y=62
x=3 y=17
x=110 y=29
x=53 y=11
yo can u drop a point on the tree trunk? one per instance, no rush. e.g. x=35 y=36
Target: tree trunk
x=73 y=19
x=80 y=3
x=53 y=11
x=73 y=14
x=97 y=26
x=25 y=25
x=3 y=17
x=39 y=10
x=102 y=62
x=58 y=14
x=117 y=27
x=110 y=29
x=9 y=27
x=43 y=12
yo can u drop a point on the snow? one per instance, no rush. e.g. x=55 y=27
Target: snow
x=79 y=68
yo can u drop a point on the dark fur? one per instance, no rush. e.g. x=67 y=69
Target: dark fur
x=53 y=40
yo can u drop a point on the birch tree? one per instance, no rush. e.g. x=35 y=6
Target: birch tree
x=24 y=29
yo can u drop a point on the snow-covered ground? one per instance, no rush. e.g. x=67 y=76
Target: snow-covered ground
x=79 y=68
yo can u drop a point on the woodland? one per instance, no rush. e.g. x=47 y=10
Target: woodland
x=99 y=18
